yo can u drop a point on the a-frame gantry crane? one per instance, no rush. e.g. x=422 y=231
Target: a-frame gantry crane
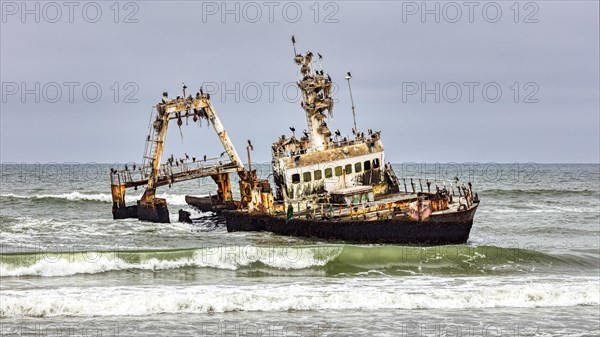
x=154 y=174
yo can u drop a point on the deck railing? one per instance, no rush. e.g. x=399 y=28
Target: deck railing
x=179 y=168
x=333 y=144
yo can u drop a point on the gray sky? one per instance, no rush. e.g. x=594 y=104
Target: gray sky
x=547 y=62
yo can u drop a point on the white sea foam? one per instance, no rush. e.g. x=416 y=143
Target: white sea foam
x=172 y=199
x=226 y=257
x=360 y=294
x=544 y=209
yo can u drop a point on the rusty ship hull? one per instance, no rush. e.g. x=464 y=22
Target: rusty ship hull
x=439 y=229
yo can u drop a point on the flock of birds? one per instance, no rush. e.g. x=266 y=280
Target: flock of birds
x=199 y=94
x=171 y=160
x=299 y=59
x=337 y=132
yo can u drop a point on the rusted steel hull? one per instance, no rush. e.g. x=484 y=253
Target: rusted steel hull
x=208 y=204
x=204 y=204
x=125 y=212
x=440 y=229
x=154 y=211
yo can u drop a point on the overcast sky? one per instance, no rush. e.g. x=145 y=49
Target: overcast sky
x=542 y=55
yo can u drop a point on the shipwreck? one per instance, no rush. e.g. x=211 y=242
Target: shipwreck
x=326 y=185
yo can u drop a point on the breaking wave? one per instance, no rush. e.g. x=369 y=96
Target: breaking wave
x=335 y=260
x=360 y=294
x=172 y=199
x=538 y=192
x=226 y=257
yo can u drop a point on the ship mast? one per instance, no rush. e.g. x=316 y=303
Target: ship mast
x=349 y=77
x=316 y=98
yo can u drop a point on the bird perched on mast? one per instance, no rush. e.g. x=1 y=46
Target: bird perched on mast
x=298 y=58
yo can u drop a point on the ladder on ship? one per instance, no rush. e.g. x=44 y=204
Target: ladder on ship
x=391 y=178
x=150 y=146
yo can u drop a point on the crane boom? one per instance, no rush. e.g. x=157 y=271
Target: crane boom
x=153 y=174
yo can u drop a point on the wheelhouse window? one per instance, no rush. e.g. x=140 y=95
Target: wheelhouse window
x=348 y=168
x=357 y=167
x=376 y=163
x=328 y=173
x=367 y=165
x=306 y=176
x=318 y=174
x=338 y=171
x=295 y=178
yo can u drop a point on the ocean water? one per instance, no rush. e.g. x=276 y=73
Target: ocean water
x=530 y=268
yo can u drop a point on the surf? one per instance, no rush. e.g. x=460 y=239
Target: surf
x=318 y=294
x=333 y=260
x=173 y=199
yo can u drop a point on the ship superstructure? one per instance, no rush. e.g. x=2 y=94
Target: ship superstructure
x=321 y=162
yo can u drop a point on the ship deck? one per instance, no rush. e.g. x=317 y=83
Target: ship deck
x=409 y=197
x=388 y=206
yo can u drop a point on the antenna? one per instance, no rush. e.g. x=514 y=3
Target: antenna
x=249 y=148
x=294 y=44
x=348 y=77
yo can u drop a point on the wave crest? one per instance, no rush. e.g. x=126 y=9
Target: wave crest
x=227 y=257
x=333 y=259
x=172 y=199
x=538 y=192
x=361 y=294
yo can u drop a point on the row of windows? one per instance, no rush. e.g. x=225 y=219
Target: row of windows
x=338 y=171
